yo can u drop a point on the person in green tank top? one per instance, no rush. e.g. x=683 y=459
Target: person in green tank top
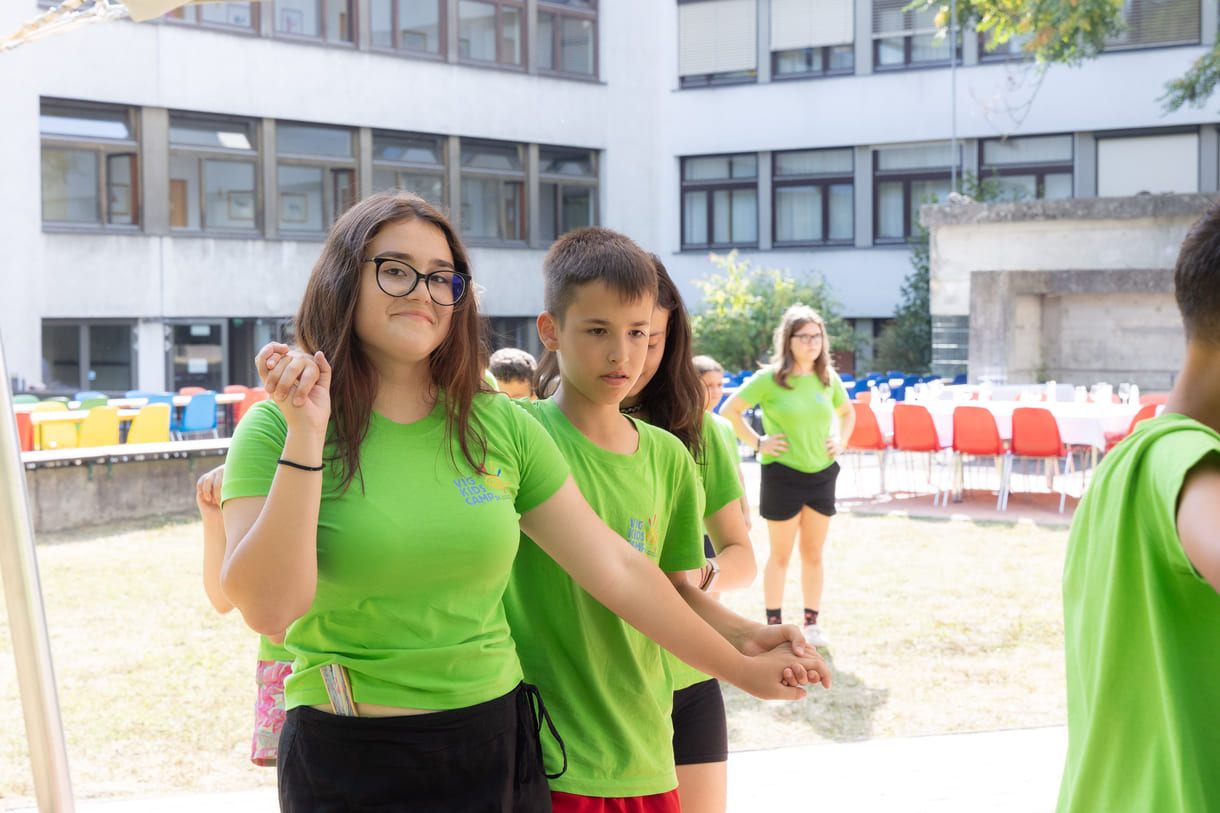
x=800 y=395
x=274 y=661
x=1141 y=587
x=669 y=394
x=711 y=374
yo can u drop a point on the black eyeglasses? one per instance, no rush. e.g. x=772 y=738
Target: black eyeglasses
x=398 y=278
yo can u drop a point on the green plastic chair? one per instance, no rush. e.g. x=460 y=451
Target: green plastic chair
x=25 y=398
x=90 y=403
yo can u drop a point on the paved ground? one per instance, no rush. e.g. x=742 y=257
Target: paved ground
x=1014 y=771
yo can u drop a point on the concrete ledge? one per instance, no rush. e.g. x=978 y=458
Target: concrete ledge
x=1140 y=206
x=74 y=488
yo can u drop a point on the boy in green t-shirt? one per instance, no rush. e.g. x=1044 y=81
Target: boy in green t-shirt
x=606 y=686
x=1140 y=602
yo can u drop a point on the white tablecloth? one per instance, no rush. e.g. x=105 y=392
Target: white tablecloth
x=1079 y=424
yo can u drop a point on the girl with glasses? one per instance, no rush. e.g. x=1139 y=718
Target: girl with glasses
x=800 y=394
x=372 y=512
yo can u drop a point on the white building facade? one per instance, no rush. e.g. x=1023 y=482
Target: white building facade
x=168 y=185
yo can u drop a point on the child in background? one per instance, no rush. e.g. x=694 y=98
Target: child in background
x=513 y=370
x=274 y=662
x=604 y=682
x=711 y=373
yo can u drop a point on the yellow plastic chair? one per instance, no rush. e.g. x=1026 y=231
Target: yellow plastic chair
x=54 y=435
x=101 y=427
x=150 y=425
x=50 y=406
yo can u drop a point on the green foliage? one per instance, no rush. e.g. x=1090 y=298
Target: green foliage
x=1069 y=32
x=743 y=304
x=906 y=344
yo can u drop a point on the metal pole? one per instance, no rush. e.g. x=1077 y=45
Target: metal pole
x=32 y=648
x=953 y=158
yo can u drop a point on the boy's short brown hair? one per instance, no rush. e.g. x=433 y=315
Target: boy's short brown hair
x=595 y=254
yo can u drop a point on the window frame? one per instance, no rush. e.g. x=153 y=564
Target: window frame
x=440 y=171
x=520 y=176
x=825 y=73
x=560 y=181
x=178 y=16
x=396 y=46
x=204 y=153
x=1116 y=45
x=498 y=63
x=1039 y=169
x=709 y=187
x=908 y=33
x=103 y=149
x=561 y=11
x=823 y=181
x=909 y=208
x=84 y=346
x=321 y=38
x=329 y=164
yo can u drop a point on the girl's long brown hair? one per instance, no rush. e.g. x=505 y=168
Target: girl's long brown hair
x=674 y=397
x=326 y=322
x=782 y=360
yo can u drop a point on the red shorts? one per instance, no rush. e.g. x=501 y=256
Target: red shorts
x=656 y=803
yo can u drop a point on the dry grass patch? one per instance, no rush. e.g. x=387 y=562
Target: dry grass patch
x=935 y=626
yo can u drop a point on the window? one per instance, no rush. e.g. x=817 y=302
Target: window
x=720 y=201
x=717 y=42
x=316 y=171
x=814 y=200
x=1012 y=49
x=415 y=26
x=90 y=165
x=1158 y=22
x=812 y=38
x=213 y=174
x=87 y=355
x=493 y=191
x=415 y=163
x=1028 y=168
x=908 y=39
x=567 y=37
x=238 y=16
x=491 y=32
x=567 y=190
x=1154 y=164
x=905 y=178
x=328 y=20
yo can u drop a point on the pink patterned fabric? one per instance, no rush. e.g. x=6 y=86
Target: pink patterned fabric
x=269 y=711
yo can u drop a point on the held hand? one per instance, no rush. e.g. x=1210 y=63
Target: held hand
x=834 y=447
x=312 y=405
x=280 y=379
x=765 y=637
x=780 y=674
x=207 y=493
x=773 y=444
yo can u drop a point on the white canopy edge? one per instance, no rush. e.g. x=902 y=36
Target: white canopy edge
x=76 y=13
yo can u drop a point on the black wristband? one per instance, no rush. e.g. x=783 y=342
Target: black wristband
x=284 y=462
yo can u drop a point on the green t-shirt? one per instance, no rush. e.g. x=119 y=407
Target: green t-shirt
x=412 y=568
x=802 y=414
x=1142 y=635
x=727 y=435
x=268 y=651
x=721 y=486
x=604 y=683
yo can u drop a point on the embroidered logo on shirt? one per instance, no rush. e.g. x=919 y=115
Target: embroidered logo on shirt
x=484 y=488
x=642 y=535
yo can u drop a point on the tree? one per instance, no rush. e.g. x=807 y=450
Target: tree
x=743 y=304
x=906 y=344
x=1069 y=32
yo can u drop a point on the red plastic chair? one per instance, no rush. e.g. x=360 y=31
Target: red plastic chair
x=236 y=388
x=1156 y=398
x=1146 y=411
x=25 y=432
x=863 y=397
x=914 y=431
x=253 y=396
x=1035 y=434
x=190 y=390
x=867 y=436
x=975 y=433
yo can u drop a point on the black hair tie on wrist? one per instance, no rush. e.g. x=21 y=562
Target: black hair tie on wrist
x=284 y=462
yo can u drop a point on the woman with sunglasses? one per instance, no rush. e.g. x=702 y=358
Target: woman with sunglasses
x=800 y=395
x=372 y=511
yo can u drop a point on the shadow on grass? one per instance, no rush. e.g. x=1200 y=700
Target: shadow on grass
x=843 y=714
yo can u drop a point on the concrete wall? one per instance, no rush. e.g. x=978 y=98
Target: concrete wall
x=1077 y=291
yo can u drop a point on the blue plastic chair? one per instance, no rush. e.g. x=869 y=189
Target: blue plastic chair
x=960 y=378
x=199 y=415
x=84 y=395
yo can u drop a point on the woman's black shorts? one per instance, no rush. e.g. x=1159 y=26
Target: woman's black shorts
x=485 y=757
x=785 y=491
x=700 y=731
